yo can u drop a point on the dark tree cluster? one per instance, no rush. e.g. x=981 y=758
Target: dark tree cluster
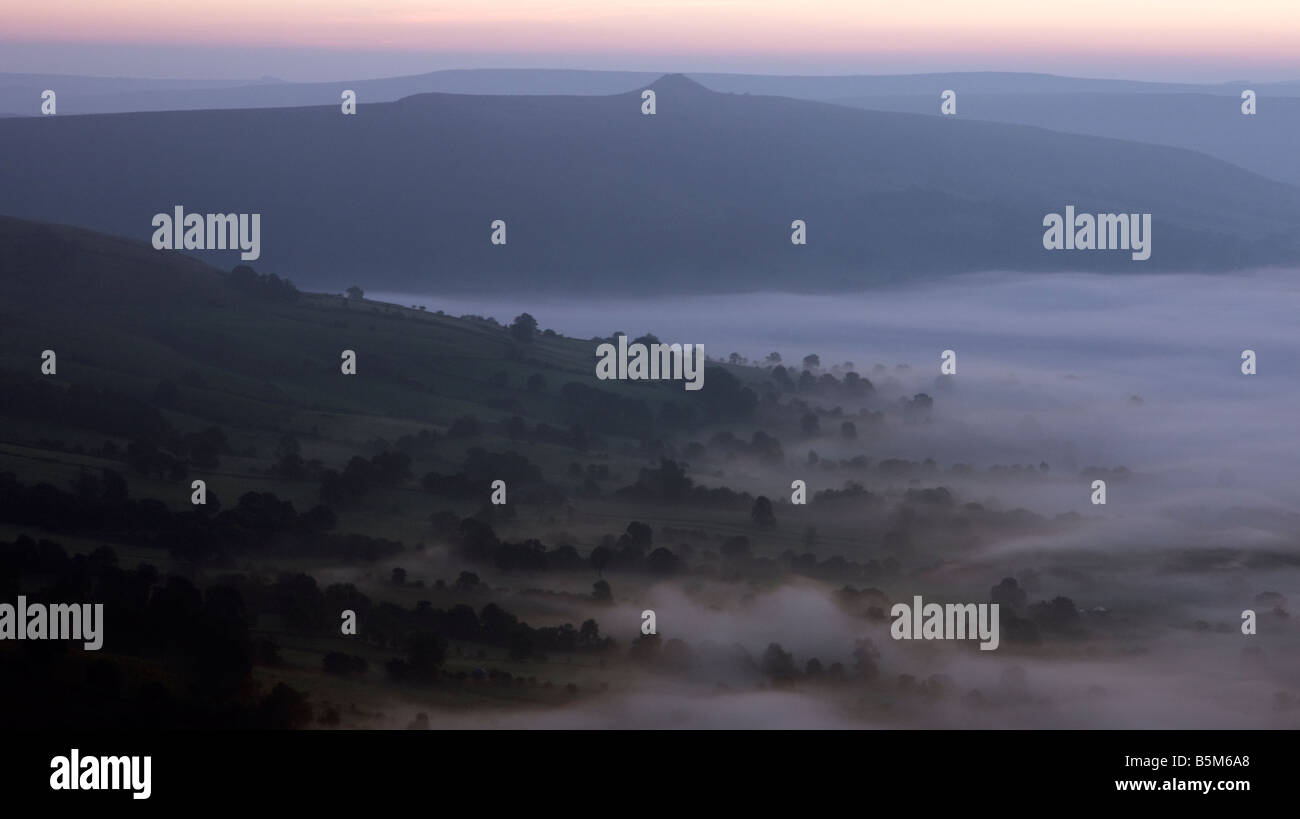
x=156 y=446
x=258 y=522
x=1022 y=622
x=852 y=490
x=480 y=468
x=764 y=447
x=604 y=411
x=263 y=286
x=853 y=385
x=725 y=398
x=668 y=482
x=631 y=551
x=575 y=437
x=653 y=652
x=361 y=475
x=173 y=655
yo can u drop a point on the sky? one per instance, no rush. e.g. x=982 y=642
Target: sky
x=1178 y=40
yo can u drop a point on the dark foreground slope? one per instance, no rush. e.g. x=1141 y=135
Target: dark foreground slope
x=169 y=371
x=700 y=196
x=258 y=353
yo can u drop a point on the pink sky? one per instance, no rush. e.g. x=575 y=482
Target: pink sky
x=1134 y=37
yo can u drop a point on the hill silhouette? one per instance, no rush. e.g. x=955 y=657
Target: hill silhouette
x=252 y=350
x=20 y=93
x=698 y=197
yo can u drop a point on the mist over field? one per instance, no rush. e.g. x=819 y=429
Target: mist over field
x=1077 y=371
x=369 y=493
x=1049 y=364
x=378 y=477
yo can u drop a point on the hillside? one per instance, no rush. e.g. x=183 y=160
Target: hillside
x=329 y=494
x=698 y=197
x=1209 y=123
x=122 y=316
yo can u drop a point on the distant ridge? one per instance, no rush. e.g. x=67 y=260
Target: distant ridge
x=100 y=95
x=1197 y=116
x=699 y=197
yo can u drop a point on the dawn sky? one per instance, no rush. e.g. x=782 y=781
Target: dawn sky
x=1193 y=40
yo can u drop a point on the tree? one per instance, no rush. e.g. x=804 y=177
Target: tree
x=778 y=662
x=809 y=424
x=668 y=482
x=600 y=591
x=1008 y=594
x=1060 y=614
x=268 y=287
x=356 y=293
x=663 y=561
x=762 y=512
x=727 y=398
x=289 y=462
x=865 y=655
x=426 y=651
x=640 y=535
x=735 y=547
x=812 y=362
x=284 y=708
x=782 y=378
x=524 y=327
x=600 y=557
x=242 y=277
x=468 y=581
x=855 y=384
x=645 y=649
x=918 y=407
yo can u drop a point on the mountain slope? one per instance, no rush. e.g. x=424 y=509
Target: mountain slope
x=123 y=317
x=1209 y=123
x=597 y=196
